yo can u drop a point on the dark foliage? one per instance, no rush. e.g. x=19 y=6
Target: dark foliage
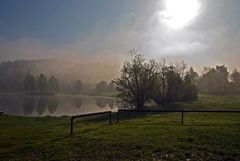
x=141 y=81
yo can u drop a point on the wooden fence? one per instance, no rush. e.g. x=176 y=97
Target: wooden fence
x=87 y=115
x=148 y=111
x=177 y=111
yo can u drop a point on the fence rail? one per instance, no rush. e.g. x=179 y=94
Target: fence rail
x=177 y=111
x=148 y=111
x=87 y=115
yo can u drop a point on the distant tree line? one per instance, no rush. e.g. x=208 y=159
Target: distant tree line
x=79 y=87
x=141 y=81
x=40 y=84
x=219 y=81
x=12 y=73
x=105 y=87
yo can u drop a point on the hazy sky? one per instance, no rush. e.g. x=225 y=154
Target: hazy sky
x=201 y=32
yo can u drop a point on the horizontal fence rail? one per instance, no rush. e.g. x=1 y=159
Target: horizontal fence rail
x=87 y=115
x=178 y=111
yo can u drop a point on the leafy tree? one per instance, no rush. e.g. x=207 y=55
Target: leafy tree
x=235 y=77
x=29 y=83
x=168 y=85
x=142 y=81
x=26 y=83
x=78 y=86
x=42 y=83
x=159 y=90
x=111 y=87
x=193 y=76
x=173 y=83
x=102 y=86
x=136 y=80
x=215 y=80
x=189 y=87
x=53 y=84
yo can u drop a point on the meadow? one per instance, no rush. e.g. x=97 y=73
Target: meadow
x=204 y=136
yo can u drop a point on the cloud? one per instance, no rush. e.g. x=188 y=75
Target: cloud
x=185 y=48
x=213 y=38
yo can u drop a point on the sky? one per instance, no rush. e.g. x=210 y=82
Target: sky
x=200 y=32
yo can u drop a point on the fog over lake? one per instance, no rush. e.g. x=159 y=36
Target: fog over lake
x=55 y=105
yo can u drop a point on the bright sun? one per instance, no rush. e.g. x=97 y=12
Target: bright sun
x=179 y=13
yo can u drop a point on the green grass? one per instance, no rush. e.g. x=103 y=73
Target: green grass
x=212 y=102
x=146 y=137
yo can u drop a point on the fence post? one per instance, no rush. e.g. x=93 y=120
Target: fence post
x=110 y=117
x=182 y=117
x=118 y=116
x=71 y=122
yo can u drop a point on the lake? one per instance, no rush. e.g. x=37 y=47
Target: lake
x=55 y=105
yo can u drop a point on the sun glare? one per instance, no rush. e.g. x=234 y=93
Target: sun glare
x=179 y=13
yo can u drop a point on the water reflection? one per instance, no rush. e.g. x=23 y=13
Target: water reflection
x=77 y=102
x=103 y=103
x=28 y=105
x=54 y=105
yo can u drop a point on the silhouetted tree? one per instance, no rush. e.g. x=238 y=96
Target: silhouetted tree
x=29 y=83
x=111 y=87
x=102 y=86
x=214 y=80
x=235 y=77
x=142 y=81
x=136 y=80
x=159 y=90
x=193 y=76
x=78 y=86
x=173 y=83
x=42 y=83
x=189 y=87
x=53 y=84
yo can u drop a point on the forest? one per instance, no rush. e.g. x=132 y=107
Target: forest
x=51 y=76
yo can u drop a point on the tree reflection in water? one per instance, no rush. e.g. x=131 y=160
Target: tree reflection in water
x=105 y=102
x=78 y=101
x=40 y=104
x=52 y=104
x=29 y=105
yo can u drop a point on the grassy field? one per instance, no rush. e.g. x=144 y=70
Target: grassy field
x=144 y=137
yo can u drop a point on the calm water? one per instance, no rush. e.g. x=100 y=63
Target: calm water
x=25 y=105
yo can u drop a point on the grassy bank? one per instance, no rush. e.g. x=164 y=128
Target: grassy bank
x=210 y=102
x=146 y=137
